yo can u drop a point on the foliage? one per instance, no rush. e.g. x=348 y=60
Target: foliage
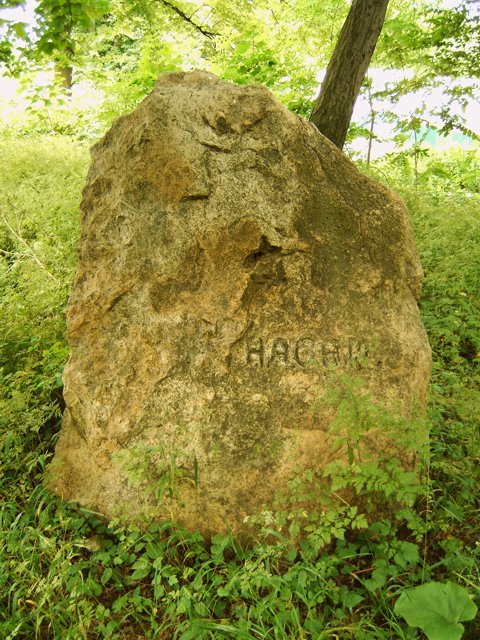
x=65 y=573
x=437 y=609
x=336 y=572
x=445 y=208
x=121 y=46
x=434 y=51
x=55 y=30
x=40 y=188
x=40 y=192
x=316 y=510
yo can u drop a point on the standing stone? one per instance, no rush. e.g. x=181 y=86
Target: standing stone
x=230 y=257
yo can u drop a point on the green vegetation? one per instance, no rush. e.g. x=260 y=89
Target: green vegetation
x=437 y=609
x=411 y=573
x=119 y=47
x=64 y=573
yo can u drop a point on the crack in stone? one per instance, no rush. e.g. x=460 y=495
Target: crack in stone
x=265 y=249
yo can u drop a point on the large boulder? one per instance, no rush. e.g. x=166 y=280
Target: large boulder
x=230 y=258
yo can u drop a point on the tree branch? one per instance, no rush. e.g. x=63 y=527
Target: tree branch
x=179 y=12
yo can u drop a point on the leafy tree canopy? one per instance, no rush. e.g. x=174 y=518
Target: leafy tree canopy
x=122 y=46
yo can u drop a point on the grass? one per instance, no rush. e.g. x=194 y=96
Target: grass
x=66 y=574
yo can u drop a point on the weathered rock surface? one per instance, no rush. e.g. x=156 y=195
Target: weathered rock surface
x=229 y=257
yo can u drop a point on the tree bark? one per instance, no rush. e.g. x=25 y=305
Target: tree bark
x=64 y=75
x=333 y=108
x=372 y=123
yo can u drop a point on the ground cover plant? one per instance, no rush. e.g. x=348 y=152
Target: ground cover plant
x=67 y=574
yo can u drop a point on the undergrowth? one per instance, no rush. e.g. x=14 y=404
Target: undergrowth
x=66 y=574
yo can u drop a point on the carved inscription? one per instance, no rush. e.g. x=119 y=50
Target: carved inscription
x=302 y=352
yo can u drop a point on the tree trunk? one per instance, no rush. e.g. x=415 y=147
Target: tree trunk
x=333 y=108
x=64 y=75
x=372 y=123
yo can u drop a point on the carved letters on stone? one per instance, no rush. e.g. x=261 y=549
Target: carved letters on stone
x=305 y=352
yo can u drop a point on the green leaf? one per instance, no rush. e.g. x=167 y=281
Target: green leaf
x=141 y=569
x=20 y=30
x=438 y=631
x=437 y=609
x=154 y=550
x=219 y=544
x=378 y=579
x=350 y=599
x=201 y=609
x=106 y=575
x=407 y=554
x=95 y=10
x=94 y=588
x=242 y=47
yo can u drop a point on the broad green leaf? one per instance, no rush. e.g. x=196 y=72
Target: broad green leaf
x=140 y=573
x=350 y=599
x=141 y=568
x=154 y=550
x=201 y=609
x=378 y=579
x=242 y=47
x=94 y=588
x=407 y=554
x=106 y=575
x=20 y=30
x=437 y=609
x=441 y=631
